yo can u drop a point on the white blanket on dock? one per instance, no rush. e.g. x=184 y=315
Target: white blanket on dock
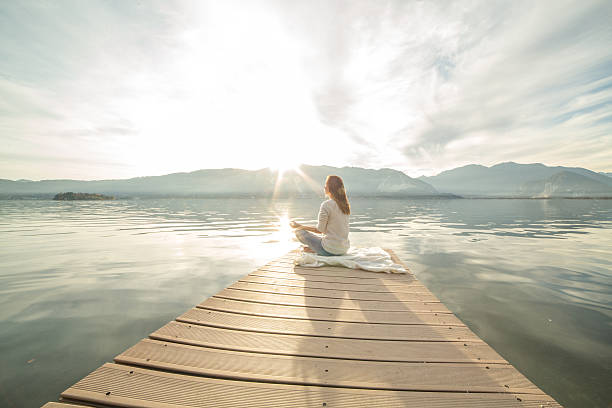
x=370 y=259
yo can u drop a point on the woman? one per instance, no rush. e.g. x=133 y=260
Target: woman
x=333 y=223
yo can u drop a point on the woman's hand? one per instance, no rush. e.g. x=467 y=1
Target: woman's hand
x=295 y=225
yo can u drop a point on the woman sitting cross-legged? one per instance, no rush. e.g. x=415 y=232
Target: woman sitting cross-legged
x=333 y=223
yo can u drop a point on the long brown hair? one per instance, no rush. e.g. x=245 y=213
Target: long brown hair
x=335 y=186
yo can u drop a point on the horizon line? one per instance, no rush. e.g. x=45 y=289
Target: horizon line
x=304 y=164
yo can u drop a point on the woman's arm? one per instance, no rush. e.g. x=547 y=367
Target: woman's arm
x=321 y=224
x=304 y=227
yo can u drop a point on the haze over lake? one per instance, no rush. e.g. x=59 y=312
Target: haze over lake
x=82 y=281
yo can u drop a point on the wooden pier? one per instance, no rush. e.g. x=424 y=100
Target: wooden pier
x=289 y=336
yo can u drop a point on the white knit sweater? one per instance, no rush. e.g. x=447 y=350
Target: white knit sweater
x=334 y=225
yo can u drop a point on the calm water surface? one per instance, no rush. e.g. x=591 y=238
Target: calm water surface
x=82 y=281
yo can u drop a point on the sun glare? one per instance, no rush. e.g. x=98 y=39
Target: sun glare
x=284 y=166
x=283 y=225
x=284 y=233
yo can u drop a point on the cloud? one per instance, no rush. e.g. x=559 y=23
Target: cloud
x=454 y=83
x=156 y=87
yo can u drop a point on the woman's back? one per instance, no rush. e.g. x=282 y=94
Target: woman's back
x=334 y=224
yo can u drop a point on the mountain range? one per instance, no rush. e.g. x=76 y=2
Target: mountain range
x=522 y=180
x=306 y=181
x=509 y=179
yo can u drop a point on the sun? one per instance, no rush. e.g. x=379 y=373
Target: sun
x=283 y=166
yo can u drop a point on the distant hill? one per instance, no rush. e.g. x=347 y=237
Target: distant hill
x=360 y=181
x=308 y=181
x=522 y=180
x=70 y=196
x=566 y=184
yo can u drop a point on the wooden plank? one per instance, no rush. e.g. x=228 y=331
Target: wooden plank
x=299 y=281
x=339 y=271
x=341 y=348
x=126 y=386
x=336 y=271
x=443 y=377
x=303 y=290
x=370 y=284
x=333 y=303
x=340 y=315
x=264 y=324
x=62 y=405
x=394 y=258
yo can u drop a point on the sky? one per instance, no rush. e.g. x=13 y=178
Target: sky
x=118 y=89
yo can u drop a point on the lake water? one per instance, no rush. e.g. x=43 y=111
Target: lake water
x=82 y=281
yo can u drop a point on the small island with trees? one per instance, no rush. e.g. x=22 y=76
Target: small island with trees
x=70 y=196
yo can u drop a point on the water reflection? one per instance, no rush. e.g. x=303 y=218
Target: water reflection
x=85 y=280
